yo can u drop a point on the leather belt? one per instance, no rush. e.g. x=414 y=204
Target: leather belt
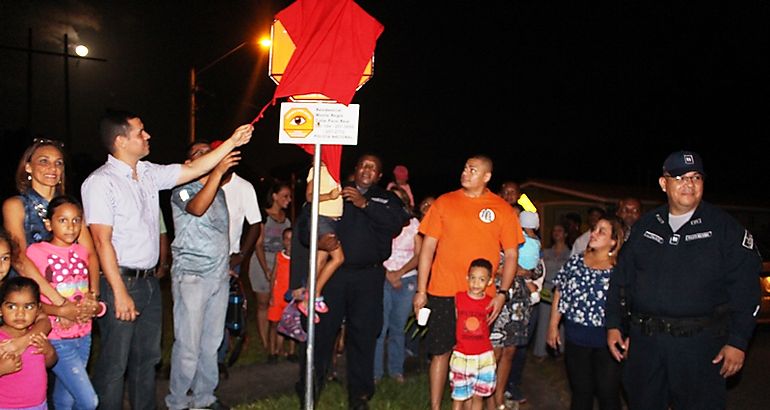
x=136 y=273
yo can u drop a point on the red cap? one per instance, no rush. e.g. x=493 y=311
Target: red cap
x=214 y=144
x=401 y=172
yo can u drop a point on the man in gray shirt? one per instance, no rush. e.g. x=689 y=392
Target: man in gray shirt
x=120 y=201
x=199 y=284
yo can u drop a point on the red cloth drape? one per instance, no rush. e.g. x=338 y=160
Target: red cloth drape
x=334 y=41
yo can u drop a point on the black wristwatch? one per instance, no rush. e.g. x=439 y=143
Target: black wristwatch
x=506 y=293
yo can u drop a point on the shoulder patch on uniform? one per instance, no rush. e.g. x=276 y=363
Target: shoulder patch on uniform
x=379 y=200
x=660 y=218
x=655 y=237
x=748 y=240
x=699 y=235
x=183 y=195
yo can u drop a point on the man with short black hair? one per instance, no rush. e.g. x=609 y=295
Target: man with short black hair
x=199 y=284
x=629 y=211
x=686 y=286
x=121 y=208
x=461 y=226
x=371 y=218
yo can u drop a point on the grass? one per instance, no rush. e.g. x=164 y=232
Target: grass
x=390 y=396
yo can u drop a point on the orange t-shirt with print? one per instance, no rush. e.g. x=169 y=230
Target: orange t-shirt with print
x=466 y=229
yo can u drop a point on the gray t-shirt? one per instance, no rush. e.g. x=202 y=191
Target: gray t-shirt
x=201 y=245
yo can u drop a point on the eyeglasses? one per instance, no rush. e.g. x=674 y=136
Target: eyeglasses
x=680 y=179
x=46 y=141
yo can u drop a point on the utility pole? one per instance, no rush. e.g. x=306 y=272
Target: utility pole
x=66 y=54
x=67 y=127
x=194 y=86
x=193 y=90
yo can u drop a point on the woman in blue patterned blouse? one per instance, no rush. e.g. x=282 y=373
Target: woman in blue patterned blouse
x=580 y=296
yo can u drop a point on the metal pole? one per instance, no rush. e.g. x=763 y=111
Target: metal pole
x=29 y=79
x=309 y=368
x=193 y=86
x=67 y=130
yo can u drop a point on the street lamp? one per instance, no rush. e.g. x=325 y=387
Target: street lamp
x=81 y=52
x=194 y=82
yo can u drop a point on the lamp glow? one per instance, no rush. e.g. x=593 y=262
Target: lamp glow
x=81 y=50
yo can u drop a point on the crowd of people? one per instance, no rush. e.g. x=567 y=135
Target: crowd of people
x=472 y=257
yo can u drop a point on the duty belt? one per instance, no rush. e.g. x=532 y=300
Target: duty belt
x=677 y=327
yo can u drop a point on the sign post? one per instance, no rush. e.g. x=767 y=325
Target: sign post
x=315 y=119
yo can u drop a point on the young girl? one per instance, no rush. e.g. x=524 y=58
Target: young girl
x=64 y=263
x=330 y=211
x=11 y=349
x=25 y=386
x=277 y=301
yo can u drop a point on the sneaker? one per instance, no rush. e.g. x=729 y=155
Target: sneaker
x=217 y=405
x=516 y=395
x=292 y=358
x=320 y=305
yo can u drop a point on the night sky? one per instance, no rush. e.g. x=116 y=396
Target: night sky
x=560 y=90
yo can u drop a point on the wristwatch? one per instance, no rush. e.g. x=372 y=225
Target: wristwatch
x=506 y=293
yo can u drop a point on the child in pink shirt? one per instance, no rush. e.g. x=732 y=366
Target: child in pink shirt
x=64 y=263
x=24 y=387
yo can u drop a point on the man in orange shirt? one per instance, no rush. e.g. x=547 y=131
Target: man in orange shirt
x=461 y=226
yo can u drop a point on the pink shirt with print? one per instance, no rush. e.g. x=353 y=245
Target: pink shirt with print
x=66 y=269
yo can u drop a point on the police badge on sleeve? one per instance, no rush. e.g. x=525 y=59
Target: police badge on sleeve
x=748 y=240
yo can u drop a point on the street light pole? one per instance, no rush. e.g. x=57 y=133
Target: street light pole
x=29 y=50
x=194 y=86
x=67 y=128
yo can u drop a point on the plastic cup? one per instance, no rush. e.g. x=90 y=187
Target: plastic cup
x=422 y=316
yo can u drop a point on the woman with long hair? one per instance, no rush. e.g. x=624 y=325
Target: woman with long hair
x=580 y=296
x=40 y=176
x=269 y=244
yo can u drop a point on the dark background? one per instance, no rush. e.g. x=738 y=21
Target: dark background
x=581 y=91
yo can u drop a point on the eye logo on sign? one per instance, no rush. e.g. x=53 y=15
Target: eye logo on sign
x=487 y=215
x=298 y=122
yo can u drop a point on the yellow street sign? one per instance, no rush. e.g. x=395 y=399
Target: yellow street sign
x=283 y=47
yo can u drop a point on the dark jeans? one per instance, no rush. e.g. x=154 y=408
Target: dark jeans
x=129 y=349
x=520 y=356
x=592 y=372
x=356 y=296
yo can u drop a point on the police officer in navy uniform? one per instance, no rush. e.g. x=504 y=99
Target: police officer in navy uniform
x=682 y=303
x=371 y=218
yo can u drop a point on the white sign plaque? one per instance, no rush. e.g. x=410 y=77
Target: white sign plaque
x=318 y=123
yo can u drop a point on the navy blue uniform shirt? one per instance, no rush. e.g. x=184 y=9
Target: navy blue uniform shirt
x=710 y=261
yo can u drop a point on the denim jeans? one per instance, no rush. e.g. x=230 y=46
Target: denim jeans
x=396 y=304
x=200 y=305
x=129 y=349
x=72 y=388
